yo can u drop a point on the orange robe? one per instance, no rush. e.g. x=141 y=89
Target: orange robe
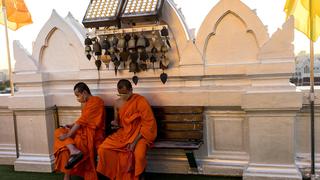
x=115 y=161
x=87 y=139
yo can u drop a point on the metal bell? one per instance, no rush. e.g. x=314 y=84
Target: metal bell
x=143 y=66
x=163 y=77
x=88 y=41
x=97 y=48
x=154 y=50
x=98 y=63
x=132 y=44
x=115 y=41
x=133 y=67
x=105 y=44
x=106 y=60
x=144 y=55
x=164 y=31
x=134 y=56
x=135 y=80
x=116 y=66
x=121 y=44
x=124 y=56
x=164 y=62
x=153 y=58
x=141 y=43
x=87 y=49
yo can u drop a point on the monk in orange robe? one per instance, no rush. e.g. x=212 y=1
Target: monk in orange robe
x=75 y=145
x=122 y=155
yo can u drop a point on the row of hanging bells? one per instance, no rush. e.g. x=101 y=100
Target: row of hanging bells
x=131 y=47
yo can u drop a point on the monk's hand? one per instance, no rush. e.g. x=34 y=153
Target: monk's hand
x=131 y=146
x=64 y=136
x=114 y=124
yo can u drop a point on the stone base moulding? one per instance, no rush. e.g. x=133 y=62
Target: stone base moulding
x=34 y=163
x=271 y=172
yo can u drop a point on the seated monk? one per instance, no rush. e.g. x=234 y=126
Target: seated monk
x=122 y=155
x=75 y=145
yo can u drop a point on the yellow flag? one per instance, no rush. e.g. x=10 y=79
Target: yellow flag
x=17 y=14
x=301 y=10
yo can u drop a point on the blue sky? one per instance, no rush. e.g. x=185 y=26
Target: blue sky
x=270 y=12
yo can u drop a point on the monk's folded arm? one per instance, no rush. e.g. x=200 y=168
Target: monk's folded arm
x=74 y=128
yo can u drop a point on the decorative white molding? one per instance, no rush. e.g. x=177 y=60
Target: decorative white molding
x=271 y=172
x=34 y=162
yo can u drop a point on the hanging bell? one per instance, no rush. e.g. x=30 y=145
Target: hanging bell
x=87 y=48
x=134 y=56
x=133 y=67
x=121 y=44
x=106 y=58
x=135 y=80
x=105 y=44
x=147 y=42
x=144 y=55
x=98 y=63
x=164 y=62
x=88 y=56
x=143 y=66
x=97 y=48
x=115 y=41
x=116 y=66
x=132 y=44
x=164 y=48
x=141 y=43
x=87 y=41
x=154 y=50
x=124 y=56
x=114 y=58
x=164 y=31
x=163 y=77
x=127 y=37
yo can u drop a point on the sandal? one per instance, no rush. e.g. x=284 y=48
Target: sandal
x=73 y=160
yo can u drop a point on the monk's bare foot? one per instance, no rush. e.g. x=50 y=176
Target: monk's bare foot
x=66 y=177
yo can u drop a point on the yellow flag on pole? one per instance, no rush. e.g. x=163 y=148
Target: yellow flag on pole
x=300 y=9
x=17 y=14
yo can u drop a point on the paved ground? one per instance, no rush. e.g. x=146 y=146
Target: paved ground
x=7 y=173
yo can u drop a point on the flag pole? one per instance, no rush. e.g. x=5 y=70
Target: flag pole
x=4 y=11
x=7 y=43
x=312 y=96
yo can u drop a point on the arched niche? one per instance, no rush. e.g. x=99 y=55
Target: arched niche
x=58 y=46
x=231 y=42
x=231 y=34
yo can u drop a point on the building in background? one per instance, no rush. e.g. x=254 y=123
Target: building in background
x=301 y=77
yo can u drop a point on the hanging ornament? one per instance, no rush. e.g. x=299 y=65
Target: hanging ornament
x=98 y=63
x=163 y=77
x=106 y=58
x=88 y=52
x=135 y=79
x=97 y=48
x=116 y=64
x=165 y=33
x=105 y=44
x=87 y=41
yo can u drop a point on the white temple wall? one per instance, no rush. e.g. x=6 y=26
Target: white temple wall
x=232 y=68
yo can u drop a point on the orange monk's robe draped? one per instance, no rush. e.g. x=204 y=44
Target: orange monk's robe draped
x=115 y=161
x=87 y=139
